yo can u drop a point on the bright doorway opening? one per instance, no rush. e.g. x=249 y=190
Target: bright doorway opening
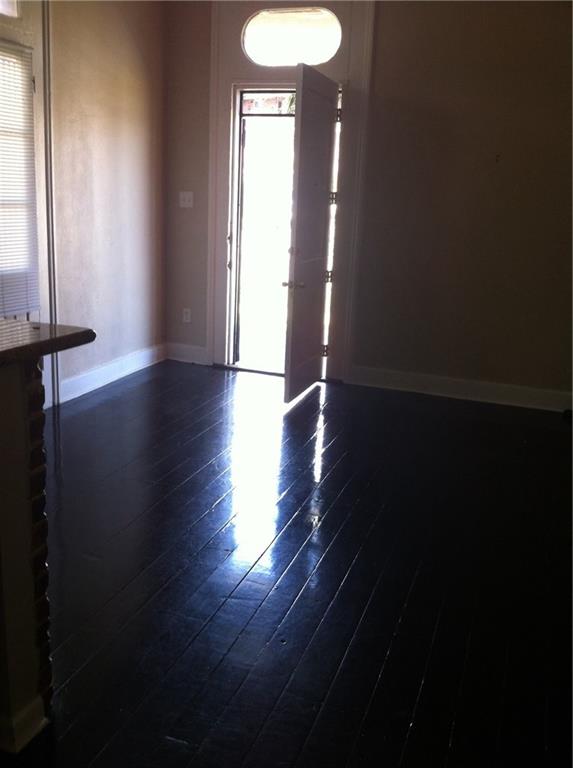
x=261 y=222
x=263 y=208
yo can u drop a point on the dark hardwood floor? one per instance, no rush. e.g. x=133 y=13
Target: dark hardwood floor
x=373 y=579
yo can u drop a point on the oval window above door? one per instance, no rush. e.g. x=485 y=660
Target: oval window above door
x=284 y=37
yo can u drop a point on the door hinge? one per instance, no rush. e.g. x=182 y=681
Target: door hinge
x=324 y=350
x=328 y=276
x=338 y=115
x=33 y=85
x=333 y=197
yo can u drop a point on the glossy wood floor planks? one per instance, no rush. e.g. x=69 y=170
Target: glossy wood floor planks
x=370 y=579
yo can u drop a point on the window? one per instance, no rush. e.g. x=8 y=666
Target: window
x=284 y=37
x=19 y=292
x=9 y=8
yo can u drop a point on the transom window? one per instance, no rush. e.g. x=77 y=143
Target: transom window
x=284 y=37
x=9 y=8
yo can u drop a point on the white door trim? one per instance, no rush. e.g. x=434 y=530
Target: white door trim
x=343 y=288
x=355 y=82
x=213 y=329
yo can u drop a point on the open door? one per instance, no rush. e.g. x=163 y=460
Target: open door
x=315 y=119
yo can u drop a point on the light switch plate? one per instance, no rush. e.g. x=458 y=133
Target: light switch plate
x=186 y=199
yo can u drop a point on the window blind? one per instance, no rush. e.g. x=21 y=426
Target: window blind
x=19 y=286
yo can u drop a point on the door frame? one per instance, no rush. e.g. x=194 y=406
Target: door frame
x=230 y=71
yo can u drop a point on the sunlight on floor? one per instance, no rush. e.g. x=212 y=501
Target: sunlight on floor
x=256 y=451
x=256 y=457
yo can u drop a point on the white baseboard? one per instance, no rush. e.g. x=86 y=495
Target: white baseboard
x=188 y=353
x=427 y=384
x=104 y=374
x=461 y=389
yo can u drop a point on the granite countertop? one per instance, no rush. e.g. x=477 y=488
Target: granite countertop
x=24 y=340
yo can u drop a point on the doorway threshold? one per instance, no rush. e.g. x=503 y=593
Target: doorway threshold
x=239 y=368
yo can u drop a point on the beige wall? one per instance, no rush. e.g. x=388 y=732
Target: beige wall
x=107 y=114
x=465 y=263
x=187 y=167
x=464 y=266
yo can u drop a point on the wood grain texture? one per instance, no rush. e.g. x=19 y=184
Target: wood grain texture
x=373 y=578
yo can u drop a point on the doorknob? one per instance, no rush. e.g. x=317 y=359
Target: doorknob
x=293 y=284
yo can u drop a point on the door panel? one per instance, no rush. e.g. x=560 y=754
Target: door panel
x=315 y=118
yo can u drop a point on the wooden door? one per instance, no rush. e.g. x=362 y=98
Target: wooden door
x=315 y=118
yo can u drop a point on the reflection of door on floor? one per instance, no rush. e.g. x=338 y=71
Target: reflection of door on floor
x=264 y=211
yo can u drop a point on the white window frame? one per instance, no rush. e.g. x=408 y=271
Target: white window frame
x=26 y=297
